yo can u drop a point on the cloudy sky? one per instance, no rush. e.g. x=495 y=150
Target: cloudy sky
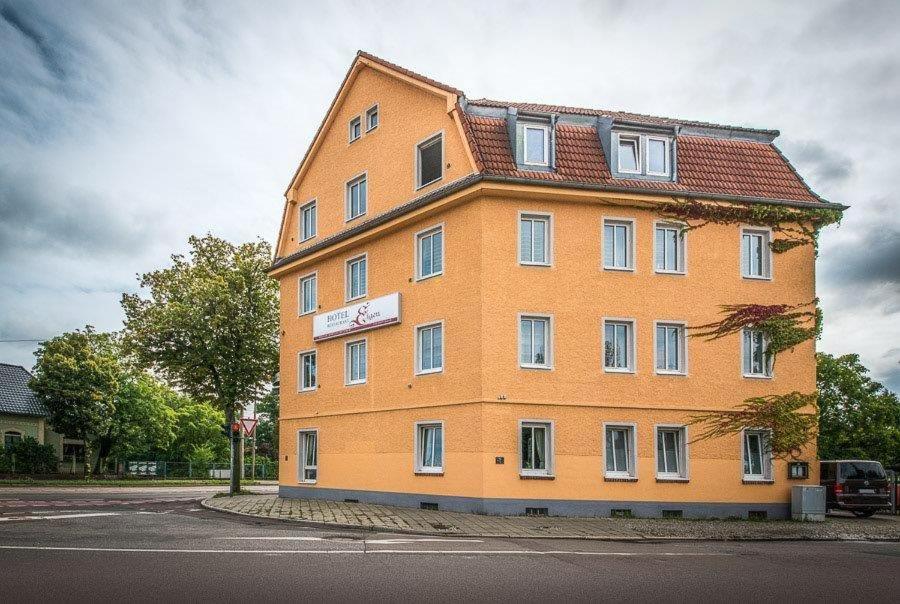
x=127 y=126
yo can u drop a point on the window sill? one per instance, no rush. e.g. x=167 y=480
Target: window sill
x=620 y=478
x=356 y=298
x=307 y=390
x=755 y=278
x=539 y=367
x=348 y=384
x=427 y=277
x=430 y=371
x=661 y=272
x=676 y=480
x=428 y=184
x=751 y=376
x=619 y=371
x=758 y=481
x=670 y=373
x=537 y=477
x=308 y=482
x=424 y=473
x=309 y=312
x=352 y=218
x=619 y=269
x=310 y=238
x=539 y=264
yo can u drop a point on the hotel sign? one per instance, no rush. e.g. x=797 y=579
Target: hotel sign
x=359 y=317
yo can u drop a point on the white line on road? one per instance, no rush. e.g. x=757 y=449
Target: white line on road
x=58 y=516
x=430 y=540
x=473 y=552
x=272 y=538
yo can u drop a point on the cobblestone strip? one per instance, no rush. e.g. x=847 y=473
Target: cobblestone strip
x=408 y=520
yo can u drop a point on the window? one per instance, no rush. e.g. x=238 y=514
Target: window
x=356 y=197
x=430 y=253
x=11 y=438
x=357 y=279
x=355 y=128
x=669 y=248
x=372 y=118
x=618 y=345
x=670 y=348
x=308 y=221
x=430 y=161
x=536 y=145
x=629 y=154
x=756 y=358
x=534 y=239
x=671 y=452
x=356 y=362
x=755 y=254
x=757 y=455
x=307 y=365
x=430 y=348
x=620 y=459
x=534 y=342
x=75 y=450
x=429 y=447
x=658 y=156
x=536 y=448
x=617 y=244
x=308 y=455
x=308 y=296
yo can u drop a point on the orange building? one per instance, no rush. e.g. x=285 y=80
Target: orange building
x=483 y=310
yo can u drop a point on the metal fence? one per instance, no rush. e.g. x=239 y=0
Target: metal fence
x=265 y=469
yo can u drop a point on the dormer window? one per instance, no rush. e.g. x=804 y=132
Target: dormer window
x=629 y=154
x=536 y=145
x=657 y=156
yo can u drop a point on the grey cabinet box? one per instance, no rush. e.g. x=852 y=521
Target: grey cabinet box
x=808 y=503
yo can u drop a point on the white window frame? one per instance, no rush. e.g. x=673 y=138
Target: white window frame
x=548 y=238
x=348 y=360
x=417 y=255
x=638 y=153
x=315 y=226
x=364 y=176
x=766 y=234
x=680 y=247
x=418 y=456
x=632 y=472
x=418 y=359
x=315 y=277
x=768 y=369
x=548 y=346
x=683 y=473
x=550 y=428
x=354 y=120
x=683 y=342
x=418 y=159
x=546 y=150
x=667 y=142
x=632 y=340
x=377 y=111
x=347 y=284
x=301 y=387
x=766 y=461
x=301 y=456
x=630 y=249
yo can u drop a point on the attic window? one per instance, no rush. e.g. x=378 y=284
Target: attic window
x=658 y=156
x=355 y=128
x=536 y=146
x=629 y=154
x=430 y=160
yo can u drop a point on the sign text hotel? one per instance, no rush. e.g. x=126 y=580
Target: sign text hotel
x=359 y=317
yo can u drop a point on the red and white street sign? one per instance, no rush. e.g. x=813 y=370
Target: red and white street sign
x=249 y=425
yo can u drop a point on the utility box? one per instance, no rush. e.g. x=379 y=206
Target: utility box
x=808 y=503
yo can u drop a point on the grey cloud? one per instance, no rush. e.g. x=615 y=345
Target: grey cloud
x=27 y=28
x=873 y=260
x=820 y=165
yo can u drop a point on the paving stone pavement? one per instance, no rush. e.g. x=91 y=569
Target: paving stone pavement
x=429 y=522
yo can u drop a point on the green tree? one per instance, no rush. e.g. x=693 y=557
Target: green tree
x=858 y=417
x=143 y=422
x=198 y=433
x=77 y=376
x=210 y=325
x=267 y=429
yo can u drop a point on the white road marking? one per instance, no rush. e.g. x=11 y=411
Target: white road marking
x=272 y=538
x=424 y=540
x=359 y=551
x=59 y=516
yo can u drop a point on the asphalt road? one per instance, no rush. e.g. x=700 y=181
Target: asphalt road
x=161 y=546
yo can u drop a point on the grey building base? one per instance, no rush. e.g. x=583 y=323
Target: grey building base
x=555 y=507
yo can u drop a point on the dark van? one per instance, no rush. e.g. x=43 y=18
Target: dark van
x=856 y=485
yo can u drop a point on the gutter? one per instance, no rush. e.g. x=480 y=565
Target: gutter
x=479 y=177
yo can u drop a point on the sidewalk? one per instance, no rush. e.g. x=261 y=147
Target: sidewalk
x=425 y=522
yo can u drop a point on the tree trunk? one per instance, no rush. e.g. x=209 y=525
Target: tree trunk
x=235 y=484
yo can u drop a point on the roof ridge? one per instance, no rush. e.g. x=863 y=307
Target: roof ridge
x=410 y=72
x=613 y=112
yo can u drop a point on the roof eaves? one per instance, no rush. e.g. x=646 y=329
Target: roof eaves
x=410 y=73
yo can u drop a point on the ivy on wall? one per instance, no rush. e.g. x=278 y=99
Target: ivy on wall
x=791 y=428
x=792 y=226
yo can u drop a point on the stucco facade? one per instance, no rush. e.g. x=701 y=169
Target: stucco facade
x=366 y=445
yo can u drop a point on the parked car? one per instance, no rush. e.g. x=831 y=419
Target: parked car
x=857 y=485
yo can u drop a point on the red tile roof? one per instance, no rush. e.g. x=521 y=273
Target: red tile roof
x=716 y=166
